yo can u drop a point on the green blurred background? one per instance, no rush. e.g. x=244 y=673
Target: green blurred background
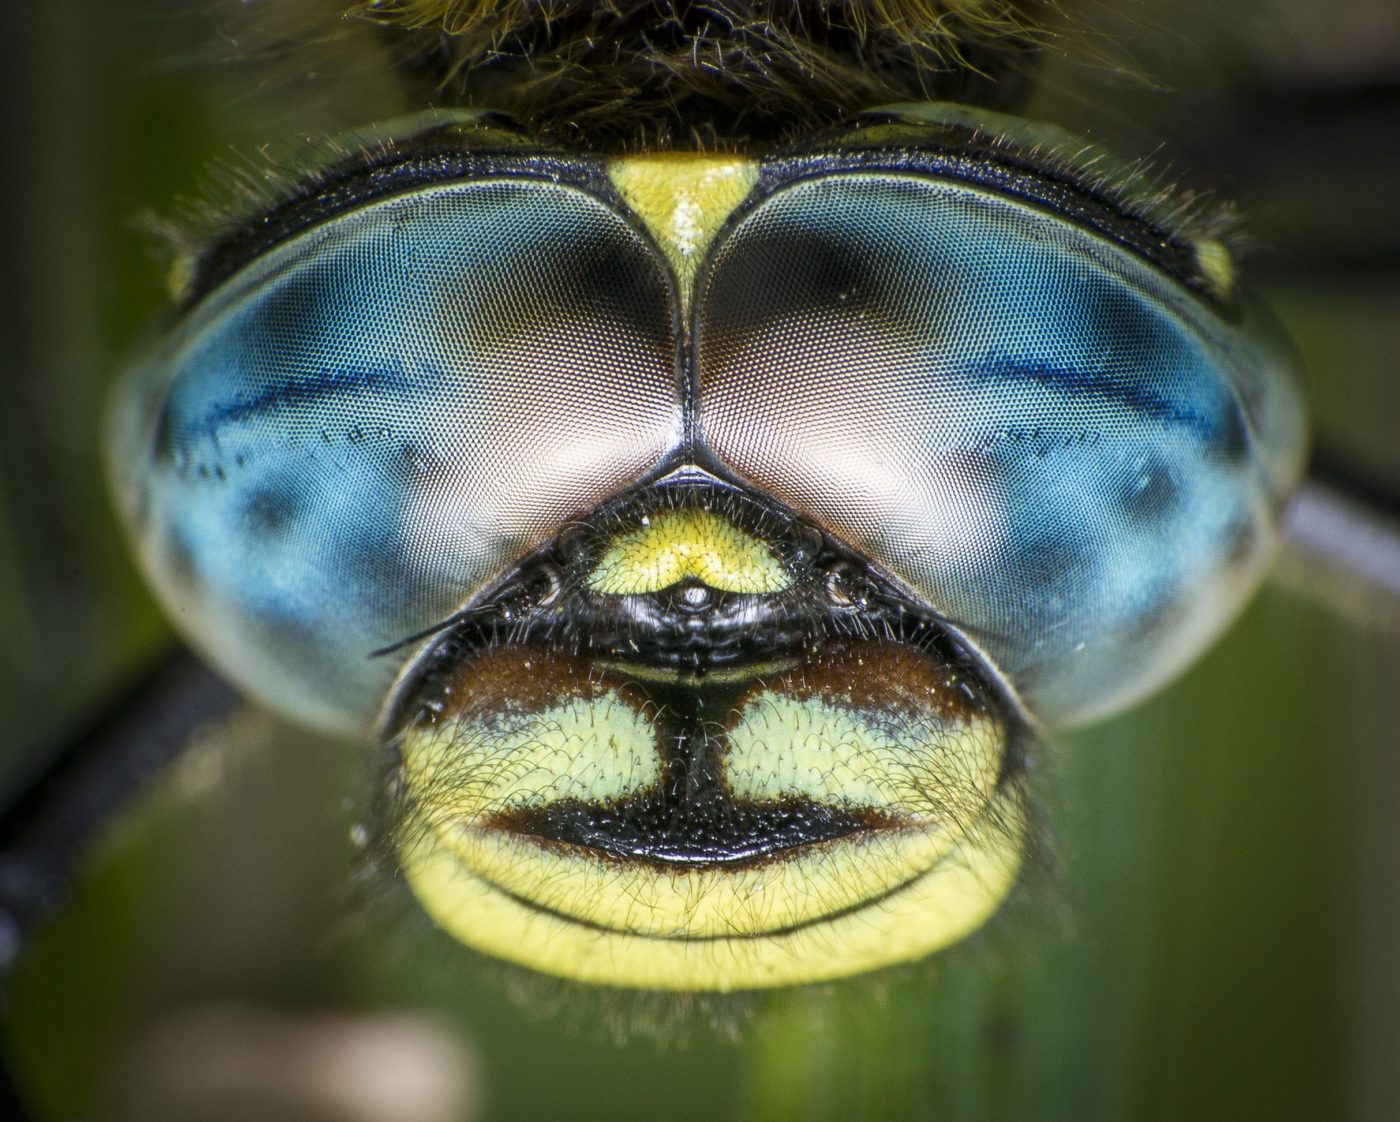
x=1214 y=931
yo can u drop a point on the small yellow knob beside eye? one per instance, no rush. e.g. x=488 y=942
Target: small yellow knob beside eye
x=1217 y=265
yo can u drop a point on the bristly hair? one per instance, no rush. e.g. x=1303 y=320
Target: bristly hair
x=627 y=74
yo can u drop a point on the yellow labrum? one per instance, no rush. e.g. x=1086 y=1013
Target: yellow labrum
x=899 y=922
x=676 y=545
x=822 y=828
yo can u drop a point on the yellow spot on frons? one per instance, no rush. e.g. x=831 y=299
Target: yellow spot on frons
x=675 y=545
x=683 y=198
x=1217 y=265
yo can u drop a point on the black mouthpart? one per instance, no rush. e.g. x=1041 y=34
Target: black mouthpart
x=718 y=831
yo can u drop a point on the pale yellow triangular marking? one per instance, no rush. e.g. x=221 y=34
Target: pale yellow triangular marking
x=683 y=198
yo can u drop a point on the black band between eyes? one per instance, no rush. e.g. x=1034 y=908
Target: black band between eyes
x=439 y=156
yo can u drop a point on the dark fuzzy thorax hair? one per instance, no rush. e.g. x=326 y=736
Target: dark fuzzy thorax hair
x=676 y=72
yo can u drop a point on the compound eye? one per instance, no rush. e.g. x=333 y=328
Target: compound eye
x=1059 y=447
x=347 y=438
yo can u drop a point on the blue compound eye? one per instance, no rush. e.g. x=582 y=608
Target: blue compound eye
x=1071 y=457
x=351 y=436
